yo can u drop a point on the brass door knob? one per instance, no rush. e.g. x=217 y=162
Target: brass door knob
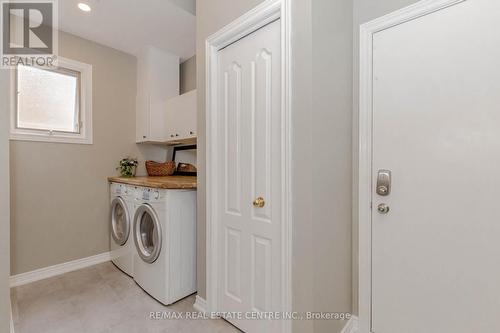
x=259 y=202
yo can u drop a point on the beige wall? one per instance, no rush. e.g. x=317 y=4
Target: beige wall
x=303 y=248
x=364 y=11
x=59 y=191
x=331 y=165
x=4 y=203
x=188 y=75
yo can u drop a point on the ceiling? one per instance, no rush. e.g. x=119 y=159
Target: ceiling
x=131 y=25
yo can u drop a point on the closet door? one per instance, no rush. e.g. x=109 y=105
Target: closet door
x=250 y=155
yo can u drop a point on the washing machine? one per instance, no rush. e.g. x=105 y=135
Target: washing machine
x=121 y=243
x=165 y=240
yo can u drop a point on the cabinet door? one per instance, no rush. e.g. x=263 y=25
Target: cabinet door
x=157 y=118
x=181 y=116
x=141 y=119
x=170 y=121
x=188 y=127
x=158 y=81
x=142 y=105
x=186 y=115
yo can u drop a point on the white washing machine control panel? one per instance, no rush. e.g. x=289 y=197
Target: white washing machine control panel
x=118 y=189
x=121 y=189
x=147 y=194
x=127 y=190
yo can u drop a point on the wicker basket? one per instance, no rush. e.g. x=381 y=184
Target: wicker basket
x=156 y=169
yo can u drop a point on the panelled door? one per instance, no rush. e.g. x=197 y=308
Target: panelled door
x=250 y=177
x=436 y=129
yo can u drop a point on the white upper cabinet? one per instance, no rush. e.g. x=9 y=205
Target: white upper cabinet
x=181 y=117
x=157 y=82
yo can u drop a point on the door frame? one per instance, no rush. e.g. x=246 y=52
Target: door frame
x=253 y=20
x=364 y=202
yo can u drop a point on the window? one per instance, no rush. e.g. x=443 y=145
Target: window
x=47 y=99
x=53 y=104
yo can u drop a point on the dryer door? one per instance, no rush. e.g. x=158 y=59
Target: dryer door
x=147 y=233
x=120 y=221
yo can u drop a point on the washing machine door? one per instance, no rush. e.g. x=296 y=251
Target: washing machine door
x=147 y=233
x=120 y=221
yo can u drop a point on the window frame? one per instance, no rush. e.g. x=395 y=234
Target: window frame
x=84 y=103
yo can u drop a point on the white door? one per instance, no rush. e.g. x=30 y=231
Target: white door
x=250 y=140
x=436 y=127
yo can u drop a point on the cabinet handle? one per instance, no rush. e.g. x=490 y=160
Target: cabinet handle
x=177 y=135
x=171 y=135
x=143 y=136
x=191 y=132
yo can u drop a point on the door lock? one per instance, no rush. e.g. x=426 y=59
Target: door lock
x=383 y=208
x=384 y=182
x=382 y=190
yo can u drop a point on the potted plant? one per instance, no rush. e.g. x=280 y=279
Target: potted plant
x=128 y=167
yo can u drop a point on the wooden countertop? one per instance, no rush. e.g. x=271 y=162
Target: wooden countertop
x=168 y=182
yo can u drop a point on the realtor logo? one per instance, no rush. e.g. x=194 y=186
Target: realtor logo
x=29 y=32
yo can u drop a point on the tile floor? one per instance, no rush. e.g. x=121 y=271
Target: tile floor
x=99 y=299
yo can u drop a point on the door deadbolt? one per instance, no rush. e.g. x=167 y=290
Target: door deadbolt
x=384 y=182
x=383 y=208
x=382 y=190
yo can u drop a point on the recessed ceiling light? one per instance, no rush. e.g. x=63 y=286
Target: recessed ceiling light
x=84 y=7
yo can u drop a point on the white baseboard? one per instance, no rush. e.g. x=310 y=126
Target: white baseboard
x=11 y=319
x=47 y=272
x=200 y=305
x=351 y=326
